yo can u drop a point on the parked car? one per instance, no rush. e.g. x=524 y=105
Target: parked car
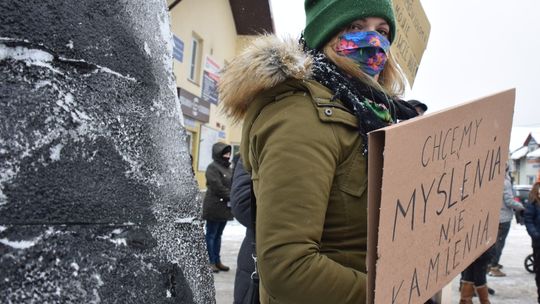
x=521 y=194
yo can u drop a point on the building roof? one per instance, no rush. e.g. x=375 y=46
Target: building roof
x=252 y=17
x=534 y=154
x=519 y=153
x=534 y=135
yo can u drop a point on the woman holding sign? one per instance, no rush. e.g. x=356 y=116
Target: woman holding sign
x=532 y=222
x=307 y=108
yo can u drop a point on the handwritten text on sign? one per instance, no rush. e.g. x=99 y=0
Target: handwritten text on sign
x=440 y=197
x=412 y=36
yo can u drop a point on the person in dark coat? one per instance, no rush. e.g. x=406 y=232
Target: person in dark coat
x=473 y=278
x=241 y=209
x=216 y=210
x=508 y=207
x=532 y=222
x=420 y=107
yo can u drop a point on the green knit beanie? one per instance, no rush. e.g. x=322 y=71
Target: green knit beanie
x=325 y=18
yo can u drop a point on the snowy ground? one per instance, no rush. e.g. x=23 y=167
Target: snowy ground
x=230 y=244
x=517 y=287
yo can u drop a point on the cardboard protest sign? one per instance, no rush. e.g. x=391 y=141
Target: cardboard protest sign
x=412 y=36
x=434 y=198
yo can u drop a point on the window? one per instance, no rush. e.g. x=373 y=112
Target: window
x=189 y=141
x=532 y=145
x=195 y=61
x=235 y=149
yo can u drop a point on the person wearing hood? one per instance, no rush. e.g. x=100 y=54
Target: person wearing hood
x=216 y=210
x=420 y=107
x=307 y=107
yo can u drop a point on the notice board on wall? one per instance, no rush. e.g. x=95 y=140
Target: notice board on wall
x=435 y=191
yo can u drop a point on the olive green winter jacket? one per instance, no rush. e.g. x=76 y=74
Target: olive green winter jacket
x=309 y=176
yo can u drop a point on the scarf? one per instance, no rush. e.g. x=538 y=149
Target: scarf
x=372 y=108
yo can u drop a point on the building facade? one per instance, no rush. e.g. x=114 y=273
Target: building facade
x=207 y=34
x=526 y=161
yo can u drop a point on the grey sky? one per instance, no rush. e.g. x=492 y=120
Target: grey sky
x=476 y=48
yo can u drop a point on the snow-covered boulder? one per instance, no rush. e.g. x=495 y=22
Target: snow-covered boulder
x=95 y=177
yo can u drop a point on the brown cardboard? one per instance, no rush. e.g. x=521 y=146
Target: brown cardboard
x=446 y=169
x=376 y=147
x=412 y=36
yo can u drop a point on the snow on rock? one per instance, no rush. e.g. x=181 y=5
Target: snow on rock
x=55 y=152
x=30 y=56
x=119 y=241
x=34 y=57
x=187 y=220
x=117 y=231
x=3 y=197
x=107 y=70
x=19 y=244
x=147 y=49
x=97 y=277
x=96 y=170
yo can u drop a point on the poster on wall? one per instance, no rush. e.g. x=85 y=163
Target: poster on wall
x=208 y=137
x=210 y=81
x=423 y=231
x=178 y=48
x=209 y=87
x=193 y=106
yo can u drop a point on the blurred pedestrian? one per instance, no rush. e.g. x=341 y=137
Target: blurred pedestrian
x=532 y=222
x=216 y=210
x=191 y=164
x=241 y=209
x=473 y=280
x=306 y=118
x=420 y=107
x=505 y=220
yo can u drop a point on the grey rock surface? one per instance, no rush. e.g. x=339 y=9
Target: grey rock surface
x=97 y=198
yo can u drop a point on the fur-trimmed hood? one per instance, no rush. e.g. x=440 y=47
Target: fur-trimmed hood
x=265 y=63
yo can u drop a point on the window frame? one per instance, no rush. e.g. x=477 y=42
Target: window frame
x=194 y=73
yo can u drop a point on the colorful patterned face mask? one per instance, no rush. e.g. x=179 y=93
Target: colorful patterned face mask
x=368 y=49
